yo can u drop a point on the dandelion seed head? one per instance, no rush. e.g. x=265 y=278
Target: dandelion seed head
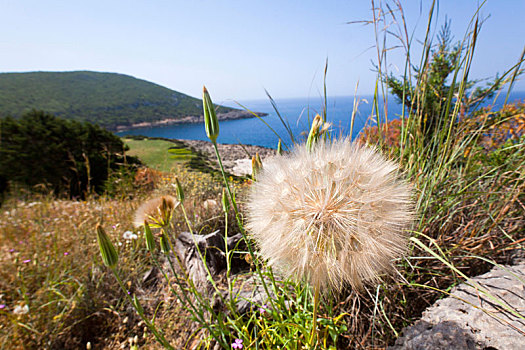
x=154 y=211
x=334 y=215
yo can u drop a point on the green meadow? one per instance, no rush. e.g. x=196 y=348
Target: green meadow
x=154 y=153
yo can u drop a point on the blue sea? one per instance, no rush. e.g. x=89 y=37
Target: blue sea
x=297 y=113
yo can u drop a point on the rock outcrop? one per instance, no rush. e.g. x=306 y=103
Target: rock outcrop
x=487 y=314
x=236 y=159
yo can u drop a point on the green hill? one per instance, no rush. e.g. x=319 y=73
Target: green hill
x=107 y=99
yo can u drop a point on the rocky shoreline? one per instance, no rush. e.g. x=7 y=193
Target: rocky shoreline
x=232 y=115
x=236 y=158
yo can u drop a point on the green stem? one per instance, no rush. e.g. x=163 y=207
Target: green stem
x=315 y=333
x=243 y=231
x=185 y=299
x=160 y=337
x=202 y=301
x=227 y=184
x=203 y=258
x=228 y=260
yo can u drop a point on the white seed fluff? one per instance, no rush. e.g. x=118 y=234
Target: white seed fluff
x=335 y=215
x=151 y=210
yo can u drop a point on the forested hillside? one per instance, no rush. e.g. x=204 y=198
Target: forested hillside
x=64 y=157
x=107 y=99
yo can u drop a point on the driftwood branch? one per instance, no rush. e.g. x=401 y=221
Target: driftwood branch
x=211 y=247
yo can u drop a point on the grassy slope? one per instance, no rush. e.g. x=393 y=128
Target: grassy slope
x=168 y=156
x=50 y=262
x=107 y=99
x=153 y=153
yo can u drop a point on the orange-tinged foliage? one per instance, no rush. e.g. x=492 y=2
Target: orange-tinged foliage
x=391 y=132
x=506 y=124
x=495 y=127
x=148 y=178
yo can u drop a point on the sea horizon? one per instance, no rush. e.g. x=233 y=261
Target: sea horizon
x=296 y=112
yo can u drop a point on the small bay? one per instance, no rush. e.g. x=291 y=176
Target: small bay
x=296 y=112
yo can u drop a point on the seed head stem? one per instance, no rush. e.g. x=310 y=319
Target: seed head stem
x=314 y=336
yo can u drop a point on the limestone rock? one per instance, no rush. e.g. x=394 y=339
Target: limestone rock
x=471 y=319
x=242 y=167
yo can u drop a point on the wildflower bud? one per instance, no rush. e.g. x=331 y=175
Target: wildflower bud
x=165 y=212
x=150 y=241
x=210 y=118
x=164 y=243
x=313 y=136
x=180 y=192
x=225 y=201
x=256 y=165
x=136 y=304
x=107 y=250
x=280 y=148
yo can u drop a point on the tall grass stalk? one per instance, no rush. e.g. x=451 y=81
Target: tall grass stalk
x=440 y=161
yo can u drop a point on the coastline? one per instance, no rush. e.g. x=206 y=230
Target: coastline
x=236 y=158
x=190 y=119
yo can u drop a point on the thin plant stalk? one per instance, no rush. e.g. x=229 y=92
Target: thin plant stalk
x=203 y=257
x=314 y=336
x=228 y=259
x=241 y=226
x=159 y=335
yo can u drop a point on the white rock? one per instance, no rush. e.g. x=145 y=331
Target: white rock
x=471 y=319
x=242 y=167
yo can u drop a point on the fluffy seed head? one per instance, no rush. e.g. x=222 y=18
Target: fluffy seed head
x=157 y=212
x=334 y=215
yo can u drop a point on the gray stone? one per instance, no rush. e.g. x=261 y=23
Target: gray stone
x=192 y=248
x=471 y=319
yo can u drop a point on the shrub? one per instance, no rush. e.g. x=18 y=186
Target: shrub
x=69 y=157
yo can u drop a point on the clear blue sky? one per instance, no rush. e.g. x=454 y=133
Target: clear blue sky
x=237 y=48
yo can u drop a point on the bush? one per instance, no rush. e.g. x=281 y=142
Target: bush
x=70 y=158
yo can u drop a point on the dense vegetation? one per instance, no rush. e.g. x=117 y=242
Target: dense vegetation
x=435 y=87
x=107 y=99
x=63 y=156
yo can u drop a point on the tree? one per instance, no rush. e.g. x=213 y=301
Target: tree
x=68 y=157
x=430 y=96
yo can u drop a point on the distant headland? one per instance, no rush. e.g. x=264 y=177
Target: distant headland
x=114 y=101
x=230 y=115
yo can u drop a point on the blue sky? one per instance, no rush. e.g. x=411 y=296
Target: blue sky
x=238 y=48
